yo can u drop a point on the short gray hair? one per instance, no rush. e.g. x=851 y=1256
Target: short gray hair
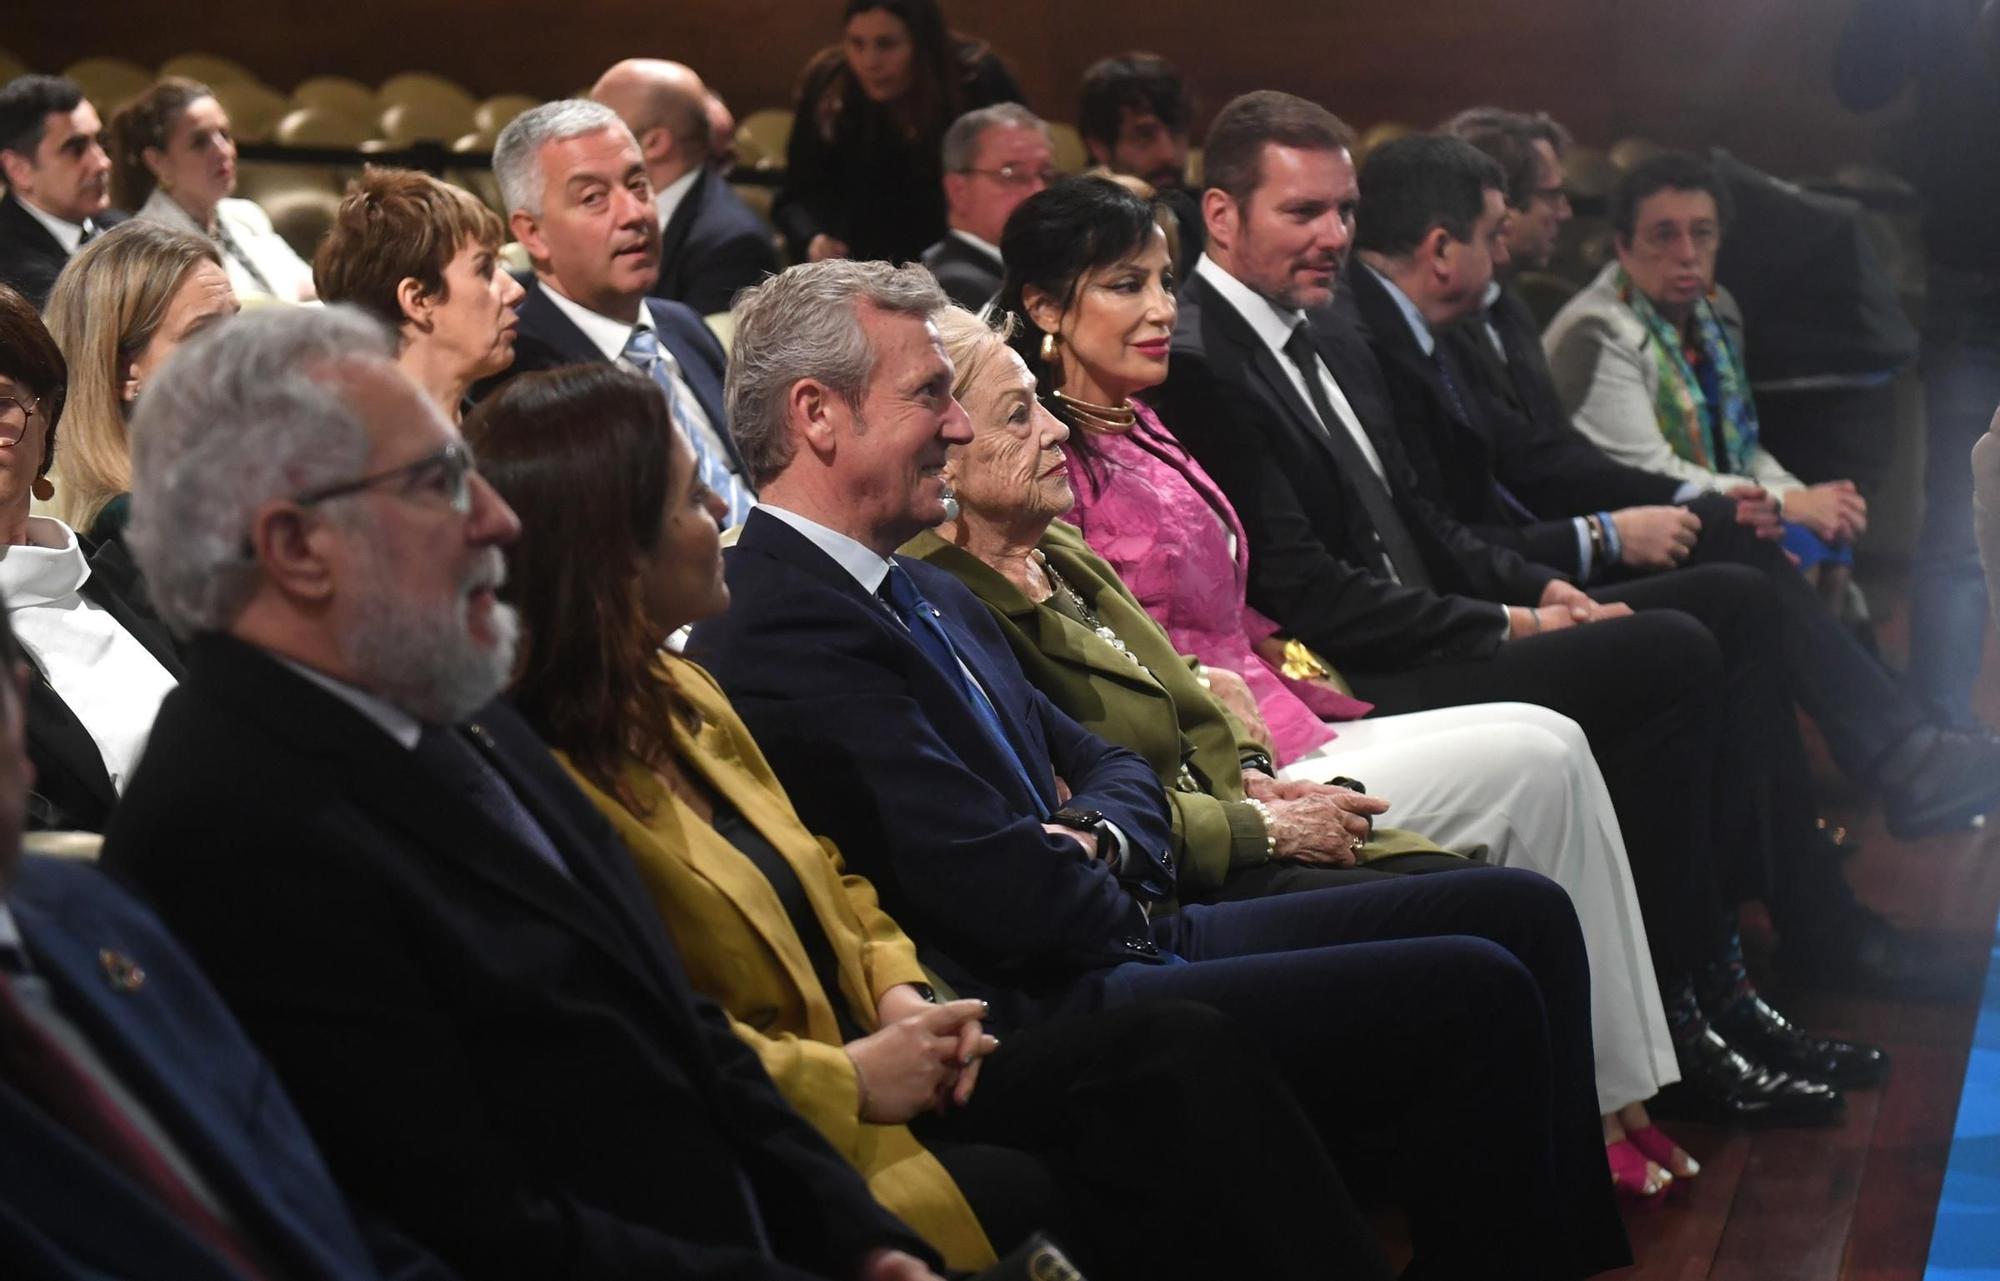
x=804 y=323
x=962 y=139
x=517 y=156
x=244 y=414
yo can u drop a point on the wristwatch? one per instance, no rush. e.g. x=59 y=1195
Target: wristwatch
x=1087 y=821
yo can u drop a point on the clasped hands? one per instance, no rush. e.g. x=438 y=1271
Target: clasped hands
x=1314 y=822
x=921 y=1057
x=1562 y=605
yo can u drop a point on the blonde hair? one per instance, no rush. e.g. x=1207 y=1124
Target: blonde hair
x=105 y=308
x=972 y=343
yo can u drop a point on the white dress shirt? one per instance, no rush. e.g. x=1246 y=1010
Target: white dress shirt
x=106 y=675
x=990 y=250
x=668 y=199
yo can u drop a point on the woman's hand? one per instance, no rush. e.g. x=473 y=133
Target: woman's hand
x=1835 y=510
x=822 y=247
x=1314 y=823
x=1233 y=692
x=920 y=1060
x=1756 y=508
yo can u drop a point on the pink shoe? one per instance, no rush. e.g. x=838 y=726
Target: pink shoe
x=1657 y=1147
x=1629 y=1172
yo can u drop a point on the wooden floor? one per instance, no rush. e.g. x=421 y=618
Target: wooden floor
x=1855 y=1201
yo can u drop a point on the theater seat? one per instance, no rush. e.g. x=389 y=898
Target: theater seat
x=341 y=94
x=254 y=108
x=439 y=119
x=212 y=69
x=1628 y=154
x=1071 y=156
x=1377 y=134
x=1591 y=173
x=1194 y=168
x=81 y=846
x=762 y=137
x=303 y=216
x=494 y=114
x=723 y=325
x=422 y=86
x=109 y=83
x=11 y=66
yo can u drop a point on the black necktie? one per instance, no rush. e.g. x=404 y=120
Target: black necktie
x=89 y=234
x=1391 y=534
x=461 y=766
x=1454 y=392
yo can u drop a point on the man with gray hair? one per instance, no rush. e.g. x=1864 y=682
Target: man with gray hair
x=1023 y=853
x=444 y=951
x=580 y=201
x=711 y=244
x=994 y=158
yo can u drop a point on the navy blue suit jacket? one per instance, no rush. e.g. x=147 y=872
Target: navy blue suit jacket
x=713 y=246
x=879 y=750
x=63 y=1212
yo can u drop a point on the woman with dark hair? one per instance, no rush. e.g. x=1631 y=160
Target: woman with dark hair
x=101 y=666
x=1074 y=1126
x=173 y=161
x=863 y=172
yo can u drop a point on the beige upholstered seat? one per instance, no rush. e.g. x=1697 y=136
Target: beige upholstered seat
x=422 y=86
x=302 y=216
x=109 y=83
x=211 y=69
x=762 y=137
x=254 y=108
x=494 y=114
x=1628 y=154
x=1070 y=154
x=341 y=94
x=439 y=119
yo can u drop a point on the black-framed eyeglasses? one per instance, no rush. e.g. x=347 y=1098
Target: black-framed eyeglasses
x=14 y=418
x=1019 y=175
x=448 y=473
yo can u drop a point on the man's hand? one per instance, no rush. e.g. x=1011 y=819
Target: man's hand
x=906 y=1067
x=893 y=1265
x=1835 y=510
x=822 y=247
x=1756 y=508
x=1655 y=537
x=1233 y=692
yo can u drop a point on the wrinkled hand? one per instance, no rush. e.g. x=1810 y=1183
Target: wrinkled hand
x=1756 y=508
x=1835 y=510
x=1233 y=692
x=907 y=1067
x=822 y=247
x=1655 y=537
x=1320 y=827
x=893 y=1265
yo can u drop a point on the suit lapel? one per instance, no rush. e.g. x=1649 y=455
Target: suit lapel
x=673 y=237
x=545 y=320
x=62 y=737
x=1277 y=384
x=23 y=228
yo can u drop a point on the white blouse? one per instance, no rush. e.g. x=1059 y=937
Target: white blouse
x=106 y=675
x=259 y=261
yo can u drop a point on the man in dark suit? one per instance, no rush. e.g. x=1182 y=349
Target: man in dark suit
x=711 y=243
x=434 y=936
x=1021 y=852
x=994 y=158
x=58 y=181
x=574 y=179
x=1462 y=409
x=1291 y=419
x=144 y=1134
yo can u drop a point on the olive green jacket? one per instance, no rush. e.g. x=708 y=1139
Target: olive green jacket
x=1150 y=701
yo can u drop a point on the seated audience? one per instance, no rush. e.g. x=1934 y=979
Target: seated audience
x=101 y=665
x=1096 y=1112
x=58 y=181
x=711 y=243
x=423 y=257
x=144 y=1137
x=1086 y=642
x=120 y=308
x=433 y=935
x=903 y=729
x=1648 y=360
x=994 y=158
x=579 y=201
x=173 y=161
x=1500 y=454
x=862 y=171
x=1134 y=118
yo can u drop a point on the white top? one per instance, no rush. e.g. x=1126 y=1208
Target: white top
x=108 y=678
x=668 y=199
x=68 y=234
x=289 y=276
x=1275 y=326
x=610 y=336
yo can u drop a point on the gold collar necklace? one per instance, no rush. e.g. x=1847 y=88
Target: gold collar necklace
x=1104 y=420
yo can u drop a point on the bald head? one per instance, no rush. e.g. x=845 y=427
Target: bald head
x=666 y=106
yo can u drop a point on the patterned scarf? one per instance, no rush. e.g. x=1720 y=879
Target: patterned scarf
x=1680 y=403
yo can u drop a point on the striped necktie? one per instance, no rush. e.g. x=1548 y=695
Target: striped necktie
x=643 y=349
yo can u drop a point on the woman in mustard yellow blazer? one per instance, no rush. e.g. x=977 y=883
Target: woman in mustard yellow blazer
x=1078 y=1127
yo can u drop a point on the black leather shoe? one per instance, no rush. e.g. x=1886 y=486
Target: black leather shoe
x=1760 y=1031
x=1721 y=1086
x=1862 y=953
x=1938 y=781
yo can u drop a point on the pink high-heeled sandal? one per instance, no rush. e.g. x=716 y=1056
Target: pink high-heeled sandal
x=1628 y=1171
x=1653 y=1142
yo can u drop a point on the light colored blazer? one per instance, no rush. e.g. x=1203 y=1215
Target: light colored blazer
x=1601 y=357
x=740 y=949
x=289 y=275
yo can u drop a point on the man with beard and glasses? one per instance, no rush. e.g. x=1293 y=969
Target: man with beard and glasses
x=431 y=933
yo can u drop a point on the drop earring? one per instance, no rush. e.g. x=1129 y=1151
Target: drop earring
x=950 y=501
x=43 y=489
x=1051 y=346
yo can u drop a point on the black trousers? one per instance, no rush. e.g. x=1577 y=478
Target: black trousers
x=1152 y=1141
x=1451 y=1012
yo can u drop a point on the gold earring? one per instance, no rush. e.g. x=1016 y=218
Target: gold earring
x=1050 y=345
x=43 y=488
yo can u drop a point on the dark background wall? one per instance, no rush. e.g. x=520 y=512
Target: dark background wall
x=1750 y=75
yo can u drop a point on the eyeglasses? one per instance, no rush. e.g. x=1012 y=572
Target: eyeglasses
x=14 y=418
x=447 y=473
x=1018 y=176
x=1665 y=237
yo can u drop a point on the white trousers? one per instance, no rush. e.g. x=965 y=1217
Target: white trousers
x=1520 y=781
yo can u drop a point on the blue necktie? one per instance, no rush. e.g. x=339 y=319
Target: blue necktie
x=1515 y=507
x=643 y=349
x=460 y=765
x=920 y=618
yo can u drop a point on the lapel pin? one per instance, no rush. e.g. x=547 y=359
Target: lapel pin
x=123 y=972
